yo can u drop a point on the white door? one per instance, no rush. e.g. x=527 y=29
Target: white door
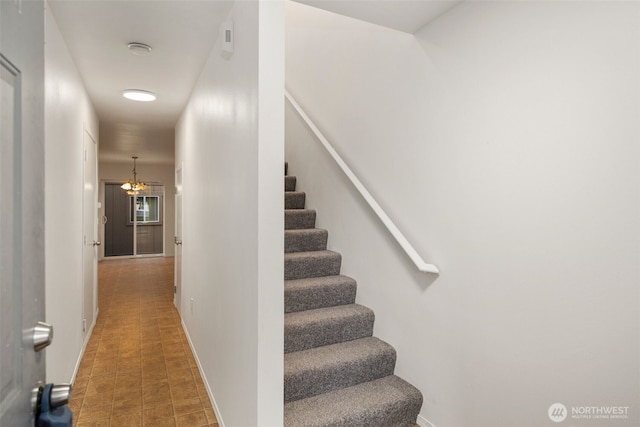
x=90 y=231
x=21 y=206
x=178 y=241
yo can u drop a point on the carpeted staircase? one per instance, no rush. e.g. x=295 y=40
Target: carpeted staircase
x=335 y=372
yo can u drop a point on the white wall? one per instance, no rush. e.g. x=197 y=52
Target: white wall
x=503 y=140
x=150 y=173
x=230 y=142
x=67 y=112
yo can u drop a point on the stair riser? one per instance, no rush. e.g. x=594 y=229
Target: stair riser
x=290 y=183
x=332 y=331
x=300 y=299
x=296 y=219
x=294 y=200
x=312 y=266
x=305 y=240
x=403 y=414
x=312 y=382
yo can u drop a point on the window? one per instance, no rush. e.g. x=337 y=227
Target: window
x=147 y=209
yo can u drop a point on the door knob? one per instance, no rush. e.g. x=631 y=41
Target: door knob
x=42 y=336
x=177 y=242
x=49 y=402
x=96 y=243
x=60 y=395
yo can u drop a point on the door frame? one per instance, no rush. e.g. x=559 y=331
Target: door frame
x=178 y=215
x=88 y=323
x=101 y=222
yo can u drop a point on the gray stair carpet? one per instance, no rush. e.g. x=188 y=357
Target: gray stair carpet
x=289 y=183
x=386 y=402
x=318 y=292
x=331 y=367
x=295 y=219
x=336 y=373
x=294 y=200
x=300 y=265
x=305 y=240
x=328 y=325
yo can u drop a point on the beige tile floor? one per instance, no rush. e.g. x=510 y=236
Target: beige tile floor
x=138 y=369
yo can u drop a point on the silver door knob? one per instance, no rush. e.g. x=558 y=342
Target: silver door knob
x=96 y=243
x=178 y=242
x=42 y=336
x=60 y=395
x=45 y=397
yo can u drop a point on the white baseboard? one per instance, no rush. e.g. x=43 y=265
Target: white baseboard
x=84 y=347
x=423 y=422
x=216 y=410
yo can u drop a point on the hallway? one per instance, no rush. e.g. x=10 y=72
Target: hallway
x=138 y=369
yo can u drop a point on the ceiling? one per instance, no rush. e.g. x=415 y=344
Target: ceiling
x=181 y=34
x=402 y=15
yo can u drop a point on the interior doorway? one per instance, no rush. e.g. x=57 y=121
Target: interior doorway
x=90 y=233
x=133 y=224
x=177 y=289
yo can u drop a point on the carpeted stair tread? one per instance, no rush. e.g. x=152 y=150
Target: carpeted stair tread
x=302 y=265
x=305 y=240
x=294 y=199
x=290 y=183
x=295 y=219
x=386 y=402
x=318 y=292
x=322 y=369
x=325 y=326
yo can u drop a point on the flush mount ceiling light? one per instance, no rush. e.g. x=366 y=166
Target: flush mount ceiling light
x=139 y=49
x=139 y=95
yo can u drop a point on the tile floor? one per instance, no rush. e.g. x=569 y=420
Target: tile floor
x=138 y=369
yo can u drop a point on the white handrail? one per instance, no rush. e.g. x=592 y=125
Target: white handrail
x=404 y=243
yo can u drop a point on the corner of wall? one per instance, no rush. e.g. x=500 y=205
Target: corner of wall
x=68 y=113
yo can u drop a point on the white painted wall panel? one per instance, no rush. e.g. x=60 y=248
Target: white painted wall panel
x=68 y=111
x=503 y=140
x=230 y=142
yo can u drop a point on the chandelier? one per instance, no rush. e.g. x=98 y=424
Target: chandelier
x=133 y=187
